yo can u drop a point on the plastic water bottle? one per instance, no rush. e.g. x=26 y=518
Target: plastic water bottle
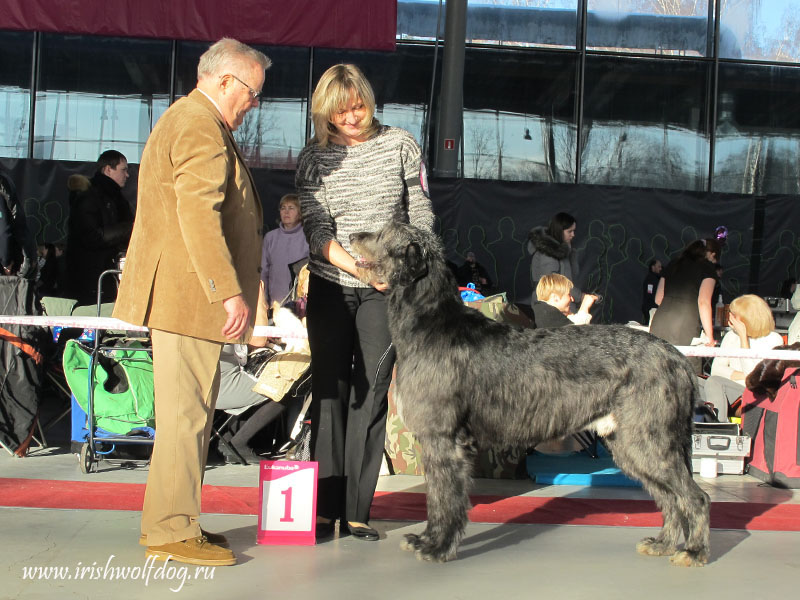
x=719 y=313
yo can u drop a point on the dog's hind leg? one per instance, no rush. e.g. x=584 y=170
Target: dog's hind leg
x=694 y=505
x=448 y=467
x=684 y=506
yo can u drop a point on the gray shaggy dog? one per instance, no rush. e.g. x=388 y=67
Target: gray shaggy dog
x=465 y=381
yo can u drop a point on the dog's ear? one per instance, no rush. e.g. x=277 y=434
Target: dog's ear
x=416 y=264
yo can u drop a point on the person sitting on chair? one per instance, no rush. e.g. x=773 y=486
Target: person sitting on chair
x=553 y=293
x=236 y=394
x=752 y=326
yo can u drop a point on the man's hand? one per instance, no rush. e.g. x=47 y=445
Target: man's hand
x=238 y=317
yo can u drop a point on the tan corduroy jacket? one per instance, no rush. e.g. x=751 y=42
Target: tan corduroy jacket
x=197 y=233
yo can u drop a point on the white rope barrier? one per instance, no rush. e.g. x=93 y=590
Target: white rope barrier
x=710 y=352
x=117 y=325
x=277 y=332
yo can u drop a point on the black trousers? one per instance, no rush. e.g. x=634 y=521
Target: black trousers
x=351 y=369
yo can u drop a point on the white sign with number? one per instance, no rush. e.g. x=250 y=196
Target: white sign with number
x=288 y=501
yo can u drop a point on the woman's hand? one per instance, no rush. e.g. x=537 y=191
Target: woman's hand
x=738 y=326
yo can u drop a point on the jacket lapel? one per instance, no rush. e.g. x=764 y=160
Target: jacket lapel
x=198 y=96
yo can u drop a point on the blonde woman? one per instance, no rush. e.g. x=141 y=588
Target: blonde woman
x=752 y=327
x=354 y=175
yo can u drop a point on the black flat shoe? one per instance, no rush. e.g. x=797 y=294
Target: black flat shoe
x=324 y=530
x=363 y=533
x=248 y=454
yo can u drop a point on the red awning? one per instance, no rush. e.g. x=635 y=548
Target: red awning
x=356 y=24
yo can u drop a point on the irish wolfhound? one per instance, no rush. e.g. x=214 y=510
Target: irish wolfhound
x=464 y=381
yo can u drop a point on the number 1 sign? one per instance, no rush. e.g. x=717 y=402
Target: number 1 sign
x=288 y=501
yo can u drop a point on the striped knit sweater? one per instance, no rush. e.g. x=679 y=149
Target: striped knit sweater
x=348 y=189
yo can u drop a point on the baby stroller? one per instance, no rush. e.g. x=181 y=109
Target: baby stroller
x=111 y=380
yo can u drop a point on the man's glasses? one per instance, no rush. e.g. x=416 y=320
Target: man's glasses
x=253 y=93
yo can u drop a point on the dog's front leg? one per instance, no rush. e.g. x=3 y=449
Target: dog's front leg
x=448 y=466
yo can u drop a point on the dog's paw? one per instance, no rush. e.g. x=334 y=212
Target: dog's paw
x=411 y=543
x=689 y=558
x=653 y=547
x=432 y=552
x=434 y=555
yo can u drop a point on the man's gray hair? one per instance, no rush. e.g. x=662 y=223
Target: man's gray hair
x=227 y=54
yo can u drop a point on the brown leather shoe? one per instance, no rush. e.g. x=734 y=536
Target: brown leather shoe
x=195 y=551
x=215 y=538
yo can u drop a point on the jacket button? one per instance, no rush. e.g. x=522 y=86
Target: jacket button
x=259 y=269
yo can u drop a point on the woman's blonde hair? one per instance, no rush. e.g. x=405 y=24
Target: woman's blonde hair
x=333 y=93
x=755 y=313
x=552 y=283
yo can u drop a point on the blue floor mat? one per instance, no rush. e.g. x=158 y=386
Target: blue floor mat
x=577 y=468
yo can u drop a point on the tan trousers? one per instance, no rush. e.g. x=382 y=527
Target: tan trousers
x=186 y=381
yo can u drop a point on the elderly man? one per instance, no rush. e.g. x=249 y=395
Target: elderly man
x=192 y=276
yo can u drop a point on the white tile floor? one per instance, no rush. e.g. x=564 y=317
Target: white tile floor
x=502 y=561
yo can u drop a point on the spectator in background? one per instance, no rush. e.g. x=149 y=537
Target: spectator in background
x=552 y=308
x=473 y=272
x=283 y=246
x=788 y=287
x=684 y=296
x=793 y=334
x=99 y=227
x=17 y=246
x=752 y=326
x=47 y=283
x=649 y=287
x=552 y=252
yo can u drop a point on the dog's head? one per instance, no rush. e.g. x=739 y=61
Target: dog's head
x=767 y=376
x=398 y=254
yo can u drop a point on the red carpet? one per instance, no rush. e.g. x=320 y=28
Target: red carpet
x=408 y=506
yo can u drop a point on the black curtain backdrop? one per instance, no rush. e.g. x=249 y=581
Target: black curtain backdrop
x=619 y=229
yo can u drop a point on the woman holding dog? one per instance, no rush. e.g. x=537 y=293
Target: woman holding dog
x=354 y=175
x=684 y=295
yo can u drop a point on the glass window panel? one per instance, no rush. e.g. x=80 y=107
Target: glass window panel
x=551 y=23
x=401 y=81
x=645 y=124
x=521 y=126
x=15 y=93
x=666 y=27
x=758 y=130
x=97 y=93
x=761 y=30
x=274 y=133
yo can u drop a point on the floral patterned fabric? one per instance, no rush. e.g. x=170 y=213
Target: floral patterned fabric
x=405 y=453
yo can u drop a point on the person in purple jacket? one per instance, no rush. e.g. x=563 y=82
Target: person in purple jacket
x=283 y=246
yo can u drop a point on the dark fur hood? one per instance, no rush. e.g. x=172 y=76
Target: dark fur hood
x=540 y=241
x=767 y=377
x=78 y=183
